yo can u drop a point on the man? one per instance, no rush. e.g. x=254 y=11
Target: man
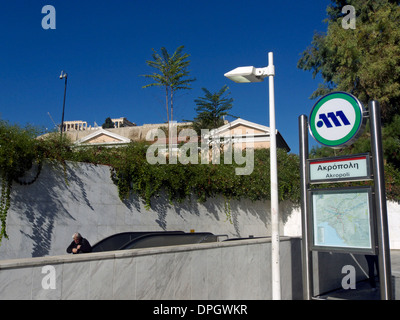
x=79 y=245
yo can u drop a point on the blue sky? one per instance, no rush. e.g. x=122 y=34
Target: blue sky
x=103 y=46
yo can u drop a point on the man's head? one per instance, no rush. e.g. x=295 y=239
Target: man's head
x=77 y=237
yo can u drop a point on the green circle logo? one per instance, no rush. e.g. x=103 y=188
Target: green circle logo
x=336 y=120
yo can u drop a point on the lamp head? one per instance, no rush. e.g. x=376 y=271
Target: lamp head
x=63 y=75
x=250 y=74
x=243 y=75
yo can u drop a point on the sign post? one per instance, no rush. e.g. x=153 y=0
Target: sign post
x=385 y=273
x=304 y=186
x=343 y=219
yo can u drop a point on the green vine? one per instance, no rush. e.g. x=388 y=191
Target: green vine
x=132 y=173
x=227 y=209
x=135 y=175
x=5 y=200
x=18 y=150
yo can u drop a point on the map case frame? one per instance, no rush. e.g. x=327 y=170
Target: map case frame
x=348 y=222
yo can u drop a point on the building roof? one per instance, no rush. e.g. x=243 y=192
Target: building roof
x=236 y=130
x=258 y=131
x=102 y=137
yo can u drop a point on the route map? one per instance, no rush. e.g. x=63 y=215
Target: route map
x=342 y=219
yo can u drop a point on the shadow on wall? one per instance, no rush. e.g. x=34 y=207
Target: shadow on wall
x=219 y=209
x=162 y=206
x=41 y=204
x=44 y=214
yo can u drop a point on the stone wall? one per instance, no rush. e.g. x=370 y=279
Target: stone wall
x=213 y=271
x=44 y=215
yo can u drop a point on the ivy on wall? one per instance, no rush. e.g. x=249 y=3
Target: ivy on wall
x=18 y=150
x=180 y=181
x=131 y=172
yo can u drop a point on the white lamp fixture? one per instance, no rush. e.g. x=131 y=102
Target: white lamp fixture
x=251 y=74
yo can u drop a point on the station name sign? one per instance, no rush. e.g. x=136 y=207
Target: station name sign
x=340 y=169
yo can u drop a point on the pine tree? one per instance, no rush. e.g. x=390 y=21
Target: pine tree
x=364 y=61
x=212 y=108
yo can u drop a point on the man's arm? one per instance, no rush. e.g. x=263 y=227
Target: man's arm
x=70 y=247
x=85 y=246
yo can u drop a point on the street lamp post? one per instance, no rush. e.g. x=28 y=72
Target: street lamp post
x=63 y=76
x=251 y=74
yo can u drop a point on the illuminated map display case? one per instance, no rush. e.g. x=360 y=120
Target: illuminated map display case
x=343 y=220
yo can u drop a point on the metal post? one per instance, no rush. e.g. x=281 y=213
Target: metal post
x=304 y=178
x=385 y=274
x=65 y=93
x=275 y=255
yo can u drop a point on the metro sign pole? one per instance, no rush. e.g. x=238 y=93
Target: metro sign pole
x=385 y=272
x=337 y=120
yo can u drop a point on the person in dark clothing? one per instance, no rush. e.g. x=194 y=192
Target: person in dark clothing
x=79 y=245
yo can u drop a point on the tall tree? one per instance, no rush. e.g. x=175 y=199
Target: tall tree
x=364 y=61
x=212 y=108
x=171 y=73
x=108 y=124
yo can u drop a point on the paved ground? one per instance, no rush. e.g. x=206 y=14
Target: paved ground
x=363 y=290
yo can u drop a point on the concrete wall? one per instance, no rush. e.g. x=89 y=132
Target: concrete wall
x=44 y=215
x=216 y=271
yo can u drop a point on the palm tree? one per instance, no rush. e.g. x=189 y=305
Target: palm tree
x=171 y=73
x=212 y=108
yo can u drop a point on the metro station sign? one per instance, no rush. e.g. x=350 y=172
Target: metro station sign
x=337 y=119
x=340 y=169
